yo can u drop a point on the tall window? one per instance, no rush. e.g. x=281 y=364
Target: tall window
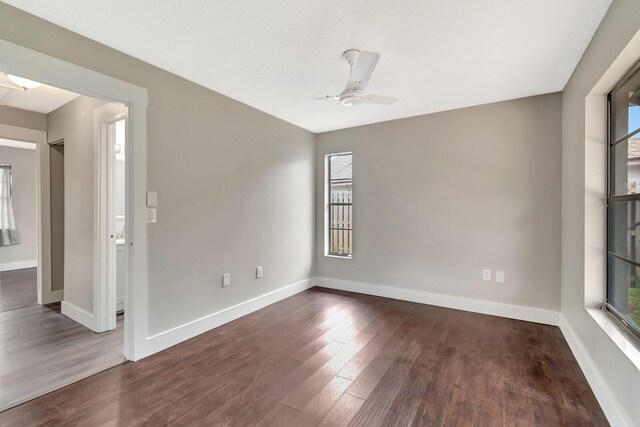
x=623 y=202
x=340 y=197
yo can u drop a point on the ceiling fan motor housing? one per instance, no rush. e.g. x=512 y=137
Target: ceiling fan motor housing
x=349 y=98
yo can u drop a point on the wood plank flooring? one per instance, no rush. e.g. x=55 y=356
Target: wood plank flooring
x=335 y=359
x=42 y=350
x=18 y=288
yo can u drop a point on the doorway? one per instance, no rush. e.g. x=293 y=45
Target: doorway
x=63 y=339
x=36 y=66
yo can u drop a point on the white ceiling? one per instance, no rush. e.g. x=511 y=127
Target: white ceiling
x=436 y=55
x=43 y=99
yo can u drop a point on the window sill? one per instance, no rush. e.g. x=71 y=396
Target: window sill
x=625 y=341
x=338 y=256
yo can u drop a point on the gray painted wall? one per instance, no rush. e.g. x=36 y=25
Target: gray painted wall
x=622 y=377
x=23 y=166
x=73 y=122
x=439 y=197
x=22 y=118
x=235 y=185
x=56 y=197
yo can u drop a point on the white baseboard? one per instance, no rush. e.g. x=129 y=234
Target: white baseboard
x=18 y=265
x=594 y=378
x=530 y=314
x=78 y=314
x=189 y=330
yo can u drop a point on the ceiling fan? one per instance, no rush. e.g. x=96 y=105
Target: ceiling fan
x=362 y=65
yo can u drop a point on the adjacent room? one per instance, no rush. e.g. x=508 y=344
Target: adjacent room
x=284 y=213
x=56 y=147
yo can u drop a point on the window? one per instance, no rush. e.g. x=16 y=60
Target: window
x=623 y=202
x=340 y=205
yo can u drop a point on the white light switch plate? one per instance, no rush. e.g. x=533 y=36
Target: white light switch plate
x=151 y=216
x=226 y=279
x=500 y=276
x=258 y=271
x=152 y=199
x=486 y=274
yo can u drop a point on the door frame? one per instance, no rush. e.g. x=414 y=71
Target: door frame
x=104 y=293
x=16 y=59
x=43 y=217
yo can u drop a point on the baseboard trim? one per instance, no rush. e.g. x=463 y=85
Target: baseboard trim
x=191 y=329
x=530 y=314
x=18 y=265
x=594 y=378
x=79 y=315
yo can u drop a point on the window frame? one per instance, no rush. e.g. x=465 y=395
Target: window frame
x=328 y=205
x=613 y=198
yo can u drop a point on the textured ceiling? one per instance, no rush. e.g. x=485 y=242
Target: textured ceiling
x=435 y=55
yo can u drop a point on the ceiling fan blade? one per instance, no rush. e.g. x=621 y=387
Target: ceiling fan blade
x=362 y=71
x=379 y=99
x=316 y=98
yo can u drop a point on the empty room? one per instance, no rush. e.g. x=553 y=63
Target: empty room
x=320 y=213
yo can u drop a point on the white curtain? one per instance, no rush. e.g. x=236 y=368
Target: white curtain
x=8 y=231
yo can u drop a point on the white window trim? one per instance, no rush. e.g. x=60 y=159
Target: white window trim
x=326 y=207
x=596 y=144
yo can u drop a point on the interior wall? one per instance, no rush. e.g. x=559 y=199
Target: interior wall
x=56 y=186
x=73 y=122
x=22 y=118
x=439 y=197
x=24 y=200
x=619 y=374
x=235 y=185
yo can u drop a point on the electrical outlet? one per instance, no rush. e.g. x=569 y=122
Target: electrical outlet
x=258 y=272
x=226 y=280
x=486 y=274
x=500 y=276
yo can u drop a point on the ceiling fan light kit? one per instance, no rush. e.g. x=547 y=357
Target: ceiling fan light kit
x=24 y=84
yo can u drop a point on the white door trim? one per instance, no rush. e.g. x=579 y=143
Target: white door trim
x=34 y=65
x=43 y=212
x=104 y=292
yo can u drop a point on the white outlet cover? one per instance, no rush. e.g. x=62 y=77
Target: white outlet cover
x=486 y=274
x=226 y=280
x=500 y=276
x=259 y=271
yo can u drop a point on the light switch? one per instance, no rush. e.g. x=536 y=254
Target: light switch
x=226 y=279
x=152 y=199
x=151 y=215
x=486 y=274
x=500 y=276
x=258 y=271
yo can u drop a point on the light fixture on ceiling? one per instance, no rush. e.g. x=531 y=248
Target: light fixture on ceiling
x=25 y=84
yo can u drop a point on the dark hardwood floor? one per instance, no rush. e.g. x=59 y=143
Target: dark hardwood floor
x=18 y=288
x=333 y=358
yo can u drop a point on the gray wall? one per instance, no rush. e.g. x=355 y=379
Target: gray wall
x=23 y=166
x=56 y=197
x=622 y=377
x=73 y=122
x=22 y=118
x=439 y=197
x=235 y=185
